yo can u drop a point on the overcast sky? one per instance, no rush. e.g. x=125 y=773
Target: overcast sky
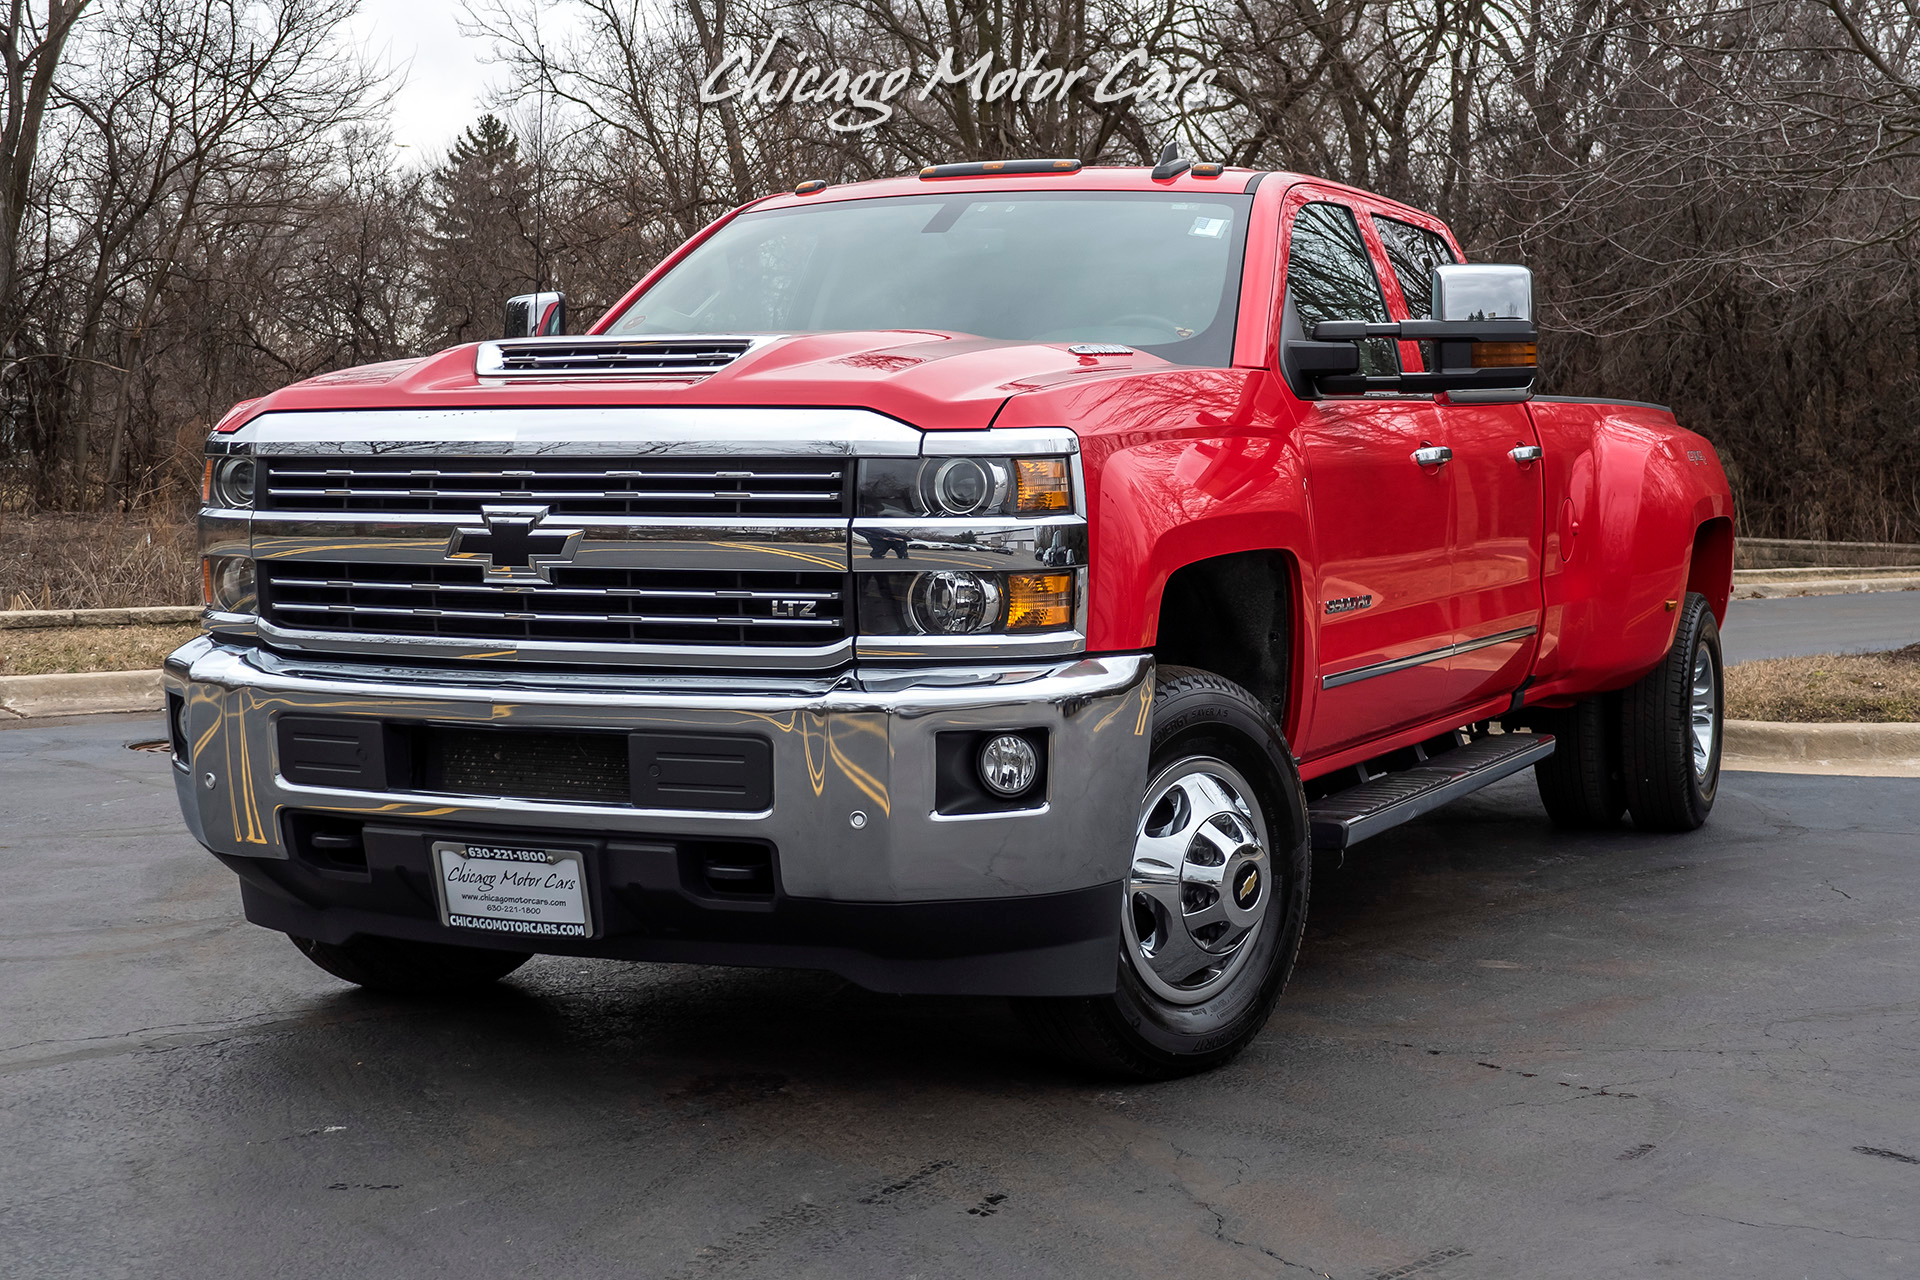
x=446 y=79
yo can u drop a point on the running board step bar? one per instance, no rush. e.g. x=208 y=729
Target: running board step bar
x=1348 y=817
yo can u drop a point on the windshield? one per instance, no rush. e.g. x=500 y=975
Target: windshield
x=1152 y=271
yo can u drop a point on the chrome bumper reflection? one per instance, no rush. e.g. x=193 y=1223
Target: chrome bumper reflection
x=852 y=817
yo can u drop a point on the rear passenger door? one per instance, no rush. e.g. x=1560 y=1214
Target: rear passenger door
x=1497 y=528
x=1380 y=601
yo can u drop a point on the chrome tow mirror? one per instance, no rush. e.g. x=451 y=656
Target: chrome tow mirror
x=1482 y=339
x=537 y=315
x=1482 y=291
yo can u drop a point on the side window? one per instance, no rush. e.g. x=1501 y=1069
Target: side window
x=1413 y=252
x=1330 y=278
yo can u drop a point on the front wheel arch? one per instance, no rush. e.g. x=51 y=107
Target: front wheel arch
x=1133 y=1032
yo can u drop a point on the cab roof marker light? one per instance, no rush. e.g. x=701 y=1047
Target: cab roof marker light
x=809 y=187
x=1000 y=169
x=1208 y=169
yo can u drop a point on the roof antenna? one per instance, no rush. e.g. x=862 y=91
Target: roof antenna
x=1172 y=163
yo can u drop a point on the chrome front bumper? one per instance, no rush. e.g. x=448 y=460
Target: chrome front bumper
x=852 y=818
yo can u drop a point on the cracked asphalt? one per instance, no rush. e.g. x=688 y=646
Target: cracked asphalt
x=1506 y=1053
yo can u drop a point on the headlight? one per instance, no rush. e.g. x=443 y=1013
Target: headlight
x=228 y=584
x=229 y=482
x=968 y=487
x=954 y=603
x=965 y=486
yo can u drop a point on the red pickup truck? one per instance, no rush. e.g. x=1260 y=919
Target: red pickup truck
x=998 y=580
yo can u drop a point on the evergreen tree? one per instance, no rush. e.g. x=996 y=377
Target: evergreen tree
x=480 y=250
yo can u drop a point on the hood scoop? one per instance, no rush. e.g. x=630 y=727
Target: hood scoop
x=653 y=357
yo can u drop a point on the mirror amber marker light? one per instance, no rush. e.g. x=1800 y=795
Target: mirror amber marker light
x=1504 y=355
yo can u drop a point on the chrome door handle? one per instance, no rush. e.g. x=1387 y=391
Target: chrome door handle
x=1432 y=455
x=1526 y=453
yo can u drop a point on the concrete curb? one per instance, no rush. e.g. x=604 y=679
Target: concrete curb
x=1820 y=587
x=1803 y=572
x=86 y=692
x=1850 y=742
x=32 y=619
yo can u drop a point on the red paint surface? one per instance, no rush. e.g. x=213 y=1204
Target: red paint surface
x=1185 y=464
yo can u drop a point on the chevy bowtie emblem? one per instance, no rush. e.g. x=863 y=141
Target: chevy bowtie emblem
x=513 y=547
x=1247 y=890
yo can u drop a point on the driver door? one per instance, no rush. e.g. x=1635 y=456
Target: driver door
x=1380 y=597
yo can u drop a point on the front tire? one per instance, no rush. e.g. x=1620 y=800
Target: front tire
x=1671 y=726
x=1216 y=899
x=411 y=968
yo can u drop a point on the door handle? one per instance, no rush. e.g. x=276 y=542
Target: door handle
x=1526 y=453
x=1432 y=455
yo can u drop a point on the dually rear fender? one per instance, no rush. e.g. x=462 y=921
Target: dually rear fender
x=1638 y=512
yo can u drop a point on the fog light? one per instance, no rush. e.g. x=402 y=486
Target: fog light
x=1008 y=764
x=228 y=583
x=955 y=604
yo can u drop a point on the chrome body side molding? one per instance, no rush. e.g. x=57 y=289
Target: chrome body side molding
x=1371 y=670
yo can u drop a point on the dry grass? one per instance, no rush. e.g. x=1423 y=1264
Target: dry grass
x=52 y=650
x=1876 y=687
x=96 y=562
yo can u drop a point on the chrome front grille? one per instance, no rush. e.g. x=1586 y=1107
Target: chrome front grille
x=581 y=605
x=567 y=487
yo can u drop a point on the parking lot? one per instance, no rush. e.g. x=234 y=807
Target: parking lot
x=1506 y=1053
x=1785 y=628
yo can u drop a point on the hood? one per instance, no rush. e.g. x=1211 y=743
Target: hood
x=936 y=381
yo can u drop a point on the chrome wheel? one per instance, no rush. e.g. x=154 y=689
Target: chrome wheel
x=1201 y=880
x=1706 y=719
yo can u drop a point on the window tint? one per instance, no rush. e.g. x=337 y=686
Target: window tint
x=1413 y=252
x=1330 y=278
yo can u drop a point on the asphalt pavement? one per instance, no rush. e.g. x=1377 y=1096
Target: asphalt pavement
x=1507 y=1052
x=1794 y=626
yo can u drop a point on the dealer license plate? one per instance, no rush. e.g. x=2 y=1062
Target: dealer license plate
x=512 y=889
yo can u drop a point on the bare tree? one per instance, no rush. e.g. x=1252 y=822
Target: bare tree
x=1718 y=197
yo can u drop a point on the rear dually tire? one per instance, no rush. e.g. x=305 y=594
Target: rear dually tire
x=1671 y=727
x=1580 y=783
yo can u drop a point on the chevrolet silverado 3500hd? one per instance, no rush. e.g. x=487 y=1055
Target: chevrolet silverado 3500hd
x=997 y=580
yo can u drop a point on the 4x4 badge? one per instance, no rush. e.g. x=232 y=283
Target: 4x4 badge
x=513 y=547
